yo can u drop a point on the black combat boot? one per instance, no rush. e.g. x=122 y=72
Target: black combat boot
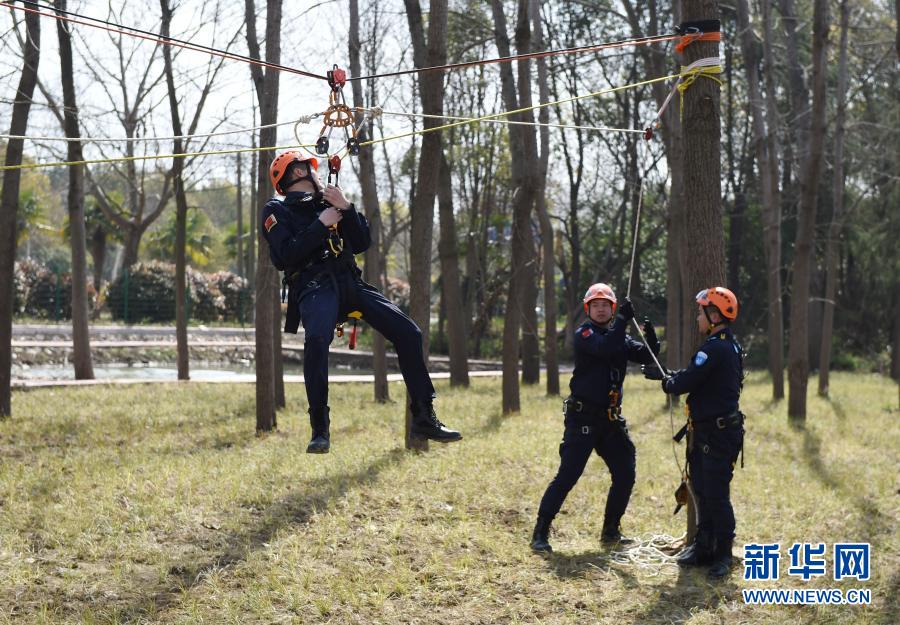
x=425 y=424
x=698 y=553
x=721 y=563
x=540 y=538
x=611 y=535
x=321 y=437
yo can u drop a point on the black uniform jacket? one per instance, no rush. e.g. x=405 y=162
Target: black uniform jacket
x=601 y=357
x=713 y=379
x=296 y=236
x=298 y=243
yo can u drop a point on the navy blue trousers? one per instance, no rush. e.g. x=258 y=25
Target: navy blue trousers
x=612 y=443
x=711 y=465
x=319 y=314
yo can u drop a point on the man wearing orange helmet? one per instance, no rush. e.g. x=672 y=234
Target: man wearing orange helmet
x=593 y=411
x=713 y=382
x=313 y=234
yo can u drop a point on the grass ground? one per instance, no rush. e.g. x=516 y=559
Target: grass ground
x=158 y=504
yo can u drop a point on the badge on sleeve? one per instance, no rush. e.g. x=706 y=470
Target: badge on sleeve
x=586 y=333
x=700 y=358
x=270 y=222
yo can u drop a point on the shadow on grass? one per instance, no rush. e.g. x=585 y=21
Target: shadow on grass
x=875 y=522
x=598 y=560
x=691 y=590
x=295 y=509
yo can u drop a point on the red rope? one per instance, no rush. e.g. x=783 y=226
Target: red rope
x=168 y=41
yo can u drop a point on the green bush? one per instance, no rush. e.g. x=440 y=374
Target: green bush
x=236 y=295
x=150 y=291
x=206 y=302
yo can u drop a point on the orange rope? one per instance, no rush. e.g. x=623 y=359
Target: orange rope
x=687 y=40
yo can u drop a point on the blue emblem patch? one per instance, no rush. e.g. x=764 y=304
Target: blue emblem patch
x=700 y=358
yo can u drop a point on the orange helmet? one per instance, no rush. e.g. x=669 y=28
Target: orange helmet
x=600 y=291
x=723 y=299
x=283 y=161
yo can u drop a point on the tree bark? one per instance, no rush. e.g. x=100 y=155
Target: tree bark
x=701 y=147
x=371 y=205
x=548 y=262
x=81 y=342
x=181 y=208
x=834 y=228
x=767 y=163
x=523 y=149
x=798 y=353
x=425 y=54
x=9 y=200
x=266 y=84
x=451 y=292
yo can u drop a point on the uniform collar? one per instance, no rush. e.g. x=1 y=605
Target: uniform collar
x=722 y=333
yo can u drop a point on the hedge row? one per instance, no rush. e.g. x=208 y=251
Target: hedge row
x=143 y=292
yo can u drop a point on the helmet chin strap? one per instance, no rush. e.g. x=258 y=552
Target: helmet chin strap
x=317 y=194
x=712 y=324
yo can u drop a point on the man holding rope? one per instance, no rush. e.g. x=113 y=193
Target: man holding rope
x=713 y=381
x=593 y=412
x=313 y=234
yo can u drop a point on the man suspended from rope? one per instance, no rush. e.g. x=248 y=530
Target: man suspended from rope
x=313 y=234
x=593 y=412
x=713 y=381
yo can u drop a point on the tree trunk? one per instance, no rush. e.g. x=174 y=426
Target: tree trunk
x=98 y=254
x=767 y=162
x=451 y=292
x=834 y=228
x=81 y=342
x=431 y=93
x=367 y=179
x=266 y=84
x=548 y=262
x=181 y=207
x=240 y=218
x=523 y=149
x=9 y=200
x=701 y=146
x=798 y=354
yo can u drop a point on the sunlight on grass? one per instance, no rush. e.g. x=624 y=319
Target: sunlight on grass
x=159 y=504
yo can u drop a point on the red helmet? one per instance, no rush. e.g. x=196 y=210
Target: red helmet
x=722 y=299
x=283 y=161
x=600 y=291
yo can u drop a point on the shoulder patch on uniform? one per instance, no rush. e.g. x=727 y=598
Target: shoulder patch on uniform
x=700 y=358
x=586 y=332
x=270 y=222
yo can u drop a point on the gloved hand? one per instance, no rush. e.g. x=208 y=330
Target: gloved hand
x=652 y=372
x=650 y=335
x=626 y=310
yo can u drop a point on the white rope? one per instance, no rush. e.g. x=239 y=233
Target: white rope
x=646 y=553
x=511 y=122
x=151 y=139
x=710 y=61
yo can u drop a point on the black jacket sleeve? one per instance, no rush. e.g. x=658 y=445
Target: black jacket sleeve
x=288 y=249
x=355 y=227
x=637 y=351
x=690 y=379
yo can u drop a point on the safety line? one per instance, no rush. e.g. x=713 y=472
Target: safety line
x=146 y=139
x=370 y=142
x=151 y=157
x=532 y=55
x=157 y=38
x=521 y=110
x=511 y=122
